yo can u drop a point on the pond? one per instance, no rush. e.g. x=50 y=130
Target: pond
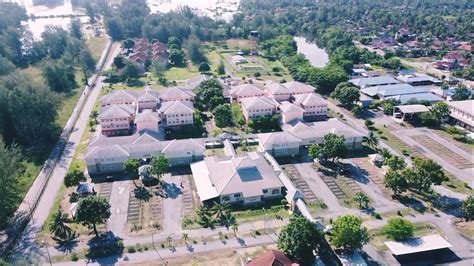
x=316 y=56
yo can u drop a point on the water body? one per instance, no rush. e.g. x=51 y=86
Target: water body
x=216 y=9
x=316 y=56
x=38 y=25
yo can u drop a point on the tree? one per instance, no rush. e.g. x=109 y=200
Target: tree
x=461 y=93
x=176 y=57
x=221 y=211
x=362 y=199
x=395 y=163
x=332 y=147
x=440 y=111
x=424 y=174
x=314 y=151
x=235 y=228
x=6 y=66
x=74 y=178
x=204 y=67
x=119 y=62
x=185 y=237
x=160 y=165
x=131 y=167
x=299 y=239
x=399 y=229
x=223 y=115
x=204 y=217
x=75 y=29
x=59 y=227
x=346 y=94
x=349 y=233
x=159 y=67
x=195 y=52
x=468 y=208
x=173 y=41
x=209 y=95
x=59 y=76
x=221 y=68
x=10 y=170
x=114 y=28
x=371 y=140
x=93 y=210
x=131 y=70
x=395 y=181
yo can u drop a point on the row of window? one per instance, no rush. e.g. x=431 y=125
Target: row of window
x=179 y=122
x=115 y=119
x=178 y=115
x=258 y=110
x=316 y=106
x=116 y=126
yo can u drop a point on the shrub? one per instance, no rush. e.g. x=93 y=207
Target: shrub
x=74 y=257
x=132 y=250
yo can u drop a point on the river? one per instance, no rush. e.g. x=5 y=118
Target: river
x=316 y=56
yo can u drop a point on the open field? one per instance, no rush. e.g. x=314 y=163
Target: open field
x=96 y=46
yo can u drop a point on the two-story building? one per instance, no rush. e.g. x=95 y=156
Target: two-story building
x=255 y=107
x=177 y=94
x=277 y=91
x=297 y=88
x=176 y=113
x=147 y=99
x=244 y=91
x=290 y=112
x=247 y=179
x=315 y=107
x=116 y=119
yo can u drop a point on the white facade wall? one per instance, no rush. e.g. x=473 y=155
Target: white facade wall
x=291 y=116
x=280 y=96
x=152 y=125
x=115 y=124
x=178 y=119
x=316 y=110
x=254 y=113
x=147 y=105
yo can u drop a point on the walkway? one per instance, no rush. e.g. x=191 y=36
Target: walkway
x=172 y=204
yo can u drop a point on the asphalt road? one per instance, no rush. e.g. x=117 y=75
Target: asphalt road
x=28 y=246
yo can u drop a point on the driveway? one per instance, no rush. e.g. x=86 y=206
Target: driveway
x=172 y=204
x=118 y=207
x=318 y=186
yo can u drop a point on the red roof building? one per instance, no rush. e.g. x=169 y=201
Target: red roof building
x=272 y=258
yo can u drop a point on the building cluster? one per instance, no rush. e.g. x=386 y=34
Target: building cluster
x=405 y=88
x=143 y=50
x=295 y=101
x=411 y=45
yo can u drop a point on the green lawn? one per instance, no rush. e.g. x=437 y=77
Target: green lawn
x=378 y=237
x=179 y=73
x=96 y=46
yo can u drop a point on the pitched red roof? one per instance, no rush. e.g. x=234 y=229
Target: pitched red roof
x=272 y=258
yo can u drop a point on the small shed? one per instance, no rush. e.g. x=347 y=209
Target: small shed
x=238 y=59
x=407 y=112
x=417 y=245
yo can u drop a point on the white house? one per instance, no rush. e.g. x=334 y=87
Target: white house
x=247 y=179
x=238 y=59
x=258 y=106
x=148 y=99
x=279 y=144
x=122 y=97
x=462 y=113
x=177 y=113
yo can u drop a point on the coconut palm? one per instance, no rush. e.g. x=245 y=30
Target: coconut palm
x=59 y=225
x=221 y=211
x=185 y=237
x=386 y=154
x=371 y=140
x=169 y=240
x=235 y=228
x=362 y=199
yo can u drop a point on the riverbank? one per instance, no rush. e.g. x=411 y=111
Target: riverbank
x=316 y=56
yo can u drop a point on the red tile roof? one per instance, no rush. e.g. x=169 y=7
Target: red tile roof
x=272 y=258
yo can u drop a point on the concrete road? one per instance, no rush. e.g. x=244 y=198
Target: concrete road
x=27 y=246
x=119 y=207
x=320 y=189
x=172 y=204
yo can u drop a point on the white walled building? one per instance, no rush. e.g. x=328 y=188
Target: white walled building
x=291 y=112
x=243 y=91
x=315 y=107
x=255 y=107
x=116 y=119
x=177 y=113
x=277 y=91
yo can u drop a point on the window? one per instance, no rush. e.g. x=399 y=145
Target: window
x=225 y=198
x=265 y=191
x=237 y=195
x=275 y=191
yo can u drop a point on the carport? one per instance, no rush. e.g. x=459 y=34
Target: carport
x=407 y=112
x=418 y=245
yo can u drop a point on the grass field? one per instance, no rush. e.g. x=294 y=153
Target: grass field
x=378 y=237
x=180 y=73
x=96 y=46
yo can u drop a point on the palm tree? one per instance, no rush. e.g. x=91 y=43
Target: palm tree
x=235 y=228
x=371 y=140
x=59 y=225
x=185 y=237
x=220 y=210
x=362 y=199
x=169 y=240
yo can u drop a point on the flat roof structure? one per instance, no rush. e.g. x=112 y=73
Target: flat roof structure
x=417 y=244
x=412 y=109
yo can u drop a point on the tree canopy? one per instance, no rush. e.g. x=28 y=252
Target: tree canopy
x=93 y=210
x=399 y=229
x=10 y=170
x=332 y=147
x=468 y=208
x=300 y=238
x=209 y=95
x=223 y=115
x=348 y=232
x=346 y=94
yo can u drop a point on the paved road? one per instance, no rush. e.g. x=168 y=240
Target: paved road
x=119 y=199
x=320 y=189
x=27 y=245
x=172 y=204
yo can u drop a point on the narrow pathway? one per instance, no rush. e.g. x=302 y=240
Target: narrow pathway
x=119 y=200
